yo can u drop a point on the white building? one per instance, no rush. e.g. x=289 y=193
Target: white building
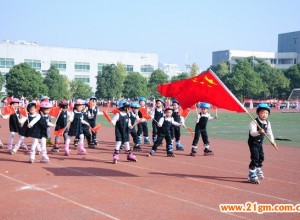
x=170 y=69
x=75 y=63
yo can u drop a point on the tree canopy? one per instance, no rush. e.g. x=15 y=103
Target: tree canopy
x=135 y=85
x=157 y=77
x=80 y=90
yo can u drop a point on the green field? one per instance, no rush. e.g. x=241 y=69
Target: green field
x=234 y=126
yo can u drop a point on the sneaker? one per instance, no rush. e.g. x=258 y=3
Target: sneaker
x=55 y=149
x=259 y=173
x=170 y=154
x=91 y=145
x=179 y=146
x=151 y=153
x=131 y=157
x=147 y=140
x=208 y=152
x=137 y=147
x=194 y=151
x=45 y=159
x=252 y=177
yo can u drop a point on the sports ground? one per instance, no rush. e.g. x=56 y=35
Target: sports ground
x=158 y=187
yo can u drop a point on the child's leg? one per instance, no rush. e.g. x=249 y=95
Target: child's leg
x=45 y=158
x=145 y=131
x=254 y=155
x=207 y=150
x=179 y=146
x=67 y=145
x=35 y=142
x=11 y=140
x=159 y=140
x=116 y=152
x=154 y=131
x=134 y=136
x=17 y=146
x=56 y=144
x=194 y=149
x=81 y=150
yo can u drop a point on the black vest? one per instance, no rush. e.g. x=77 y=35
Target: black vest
x=158 y=115
x=202 y=122
x=176 y=116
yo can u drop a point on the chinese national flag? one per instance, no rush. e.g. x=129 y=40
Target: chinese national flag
x=59 y=132
x=96 y=128
x=108 y=118
x=23 y=111
x=54 y=112
x=206 y=87
x=184 y=113
x=115 y=111
x=145 y=113
x=8 y=110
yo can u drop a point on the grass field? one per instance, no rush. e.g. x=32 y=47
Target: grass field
x=234 y=126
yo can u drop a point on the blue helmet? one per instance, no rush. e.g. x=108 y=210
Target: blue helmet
x=123 y=104
x=93 y=97
x=142 y=99
x=175 y=101
x=262 y=106
x=135 y=105
x=205 y=105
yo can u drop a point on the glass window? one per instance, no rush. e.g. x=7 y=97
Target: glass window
x=6 y=62
x=129 y=68
x=36 y=64
x=84 y=79
x=61 y=65
x=100 y=66
x=82 y=67
x=147 y=69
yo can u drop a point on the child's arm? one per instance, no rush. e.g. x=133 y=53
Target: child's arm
x=22 y=120
x=5 y=116
x=71 y=118
x=161 y=121
x=35 y=120
x=84 y=122
x=182 y=120
x=253 y=129
x=115 y=119
x=270 y=133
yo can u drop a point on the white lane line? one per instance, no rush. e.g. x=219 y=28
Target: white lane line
x=58 y=196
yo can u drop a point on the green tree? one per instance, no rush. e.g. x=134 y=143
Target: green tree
x=244 y=82
x=274 y=81
x=181 y=76
x=194 y=70
x=135 y=85
x=109 y=82
x=2 y=82
x=57 y=85
x=23 y=80
x=220 y=69
x=293 y=73
x=157 y=77
x=80 y=90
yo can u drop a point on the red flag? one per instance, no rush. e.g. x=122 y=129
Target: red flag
x=54 y=104
x=54 y=112
x=71 y=106
x=206 y=87
x=96 y=128
x=23 y=111
x=8 y=99
x=115 y=111
x=145 y=113
x=8 y=110
x=108 y=118
x=37 y=107
x=60 y=132
x=184 y=113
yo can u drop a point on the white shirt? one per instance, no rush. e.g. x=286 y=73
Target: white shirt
x=253 y=129
x=117 y=117
x=170 y=119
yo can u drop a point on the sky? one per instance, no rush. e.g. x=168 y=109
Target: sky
x=180 y=32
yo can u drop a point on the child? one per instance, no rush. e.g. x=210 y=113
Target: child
x=92 y=114
x=202 y=118
x=255 y=141
x=40 y=131
x=122 y=125
x=157 y=115
x=164 y=132
x=24 y=130
x=61 y=122
x=175 y=131
x=76 y=119
x=86 y=128
x=14 y=124
x=134 y=118
x=143 y=127
x=48 y=140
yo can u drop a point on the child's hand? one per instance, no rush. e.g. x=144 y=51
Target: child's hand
x=130 y=127
x=29 y=126
x=274 y=144
x=261 y=131
x=183 y=125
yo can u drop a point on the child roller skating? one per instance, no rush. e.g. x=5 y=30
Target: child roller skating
x=122 y=125
x=201 y=122
x=257 y=130
x=164 y=132
x=143 y=126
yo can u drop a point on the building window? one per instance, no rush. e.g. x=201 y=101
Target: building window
x=147 y=69
x=6 y=62
x=100 y=66
x=36 y=64
x=129 y=68
x=84 y=79
x=285 y=61
x=82 y=67
x=60 y=65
